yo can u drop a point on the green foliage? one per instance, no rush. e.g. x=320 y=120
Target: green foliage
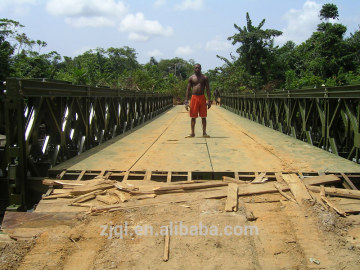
x=256 y=52
x=6 y=50
x=326 y=57
x=329 y=11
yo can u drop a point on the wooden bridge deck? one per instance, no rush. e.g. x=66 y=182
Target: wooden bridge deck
x=236 y=144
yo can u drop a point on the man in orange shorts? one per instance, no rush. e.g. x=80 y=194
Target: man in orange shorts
x=197 y=84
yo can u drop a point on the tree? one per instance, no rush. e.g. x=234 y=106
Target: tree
x=329 y=11
x=256 y=52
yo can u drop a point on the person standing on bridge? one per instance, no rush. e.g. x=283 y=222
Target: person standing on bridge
x=197 y=84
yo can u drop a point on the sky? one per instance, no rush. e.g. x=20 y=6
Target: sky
x=164 y=29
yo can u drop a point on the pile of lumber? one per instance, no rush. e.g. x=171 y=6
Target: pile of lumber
x=115 y=195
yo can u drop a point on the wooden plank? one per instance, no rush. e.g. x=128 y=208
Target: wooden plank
x=168 y=180
x=348 y=181
x=126 y=176
x=188 y=186
x=147 y=176
x=81 y=175
x=233 y=180
x=231 y=201
x=338 y=209
x=107 y=175
x=259 y=178
x=167 y=245
x=297 y=187
x=348 y=205
x=189 y=176
x=340 y=192
x=277 y=186
x=90 y=188
x=248 y=213
x=62 y=174
x=279 y=178
x=322 y=179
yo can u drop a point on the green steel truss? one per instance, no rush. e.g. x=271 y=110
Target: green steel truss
x=324 y=117
x=47 y=123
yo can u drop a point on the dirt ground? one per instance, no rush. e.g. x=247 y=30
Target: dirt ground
x=287 y=236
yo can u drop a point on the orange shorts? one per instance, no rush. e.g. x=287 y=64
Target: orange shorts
x=198 y=106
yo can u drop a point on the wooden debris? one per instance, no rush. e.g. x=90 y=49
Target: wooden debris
x=65 y=195
x=277 y=186
x=348 y=205
x=232 y=196
x=248 y=213
x=340 y=192
x=108 y=199
x=278 y=176
x=123 y=196
x=146 y=196
x=322 y=179
x=125 y=187
x=297 y=187
x=329 y=203
x=259 y=179
x=167 y=245
x=348 y=181
x=233 y=180
x=187 y=187
x=87 y=197
x=90 y=188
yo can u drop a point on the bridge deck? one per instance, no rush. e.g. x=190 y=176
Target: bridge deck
x=236 y=144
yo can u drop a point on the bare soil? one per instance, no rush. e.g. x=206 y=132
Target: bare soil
x=289 y=237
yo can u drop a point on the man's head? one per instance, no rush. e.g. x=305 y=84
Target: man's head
x=197 y=69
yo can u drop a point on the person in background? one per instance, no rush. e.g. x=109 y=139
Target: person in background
x=217 y=97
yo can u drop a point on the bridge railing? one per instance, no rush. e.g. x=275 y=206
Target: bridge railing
x=326 y=117
x=47 y=123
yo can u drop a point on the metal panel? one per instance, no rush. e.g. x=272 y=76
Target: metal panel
x=47 y=123
x=327 y=117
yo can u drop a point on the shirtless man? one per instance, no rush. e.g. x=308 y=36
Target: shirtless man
x=198 y=105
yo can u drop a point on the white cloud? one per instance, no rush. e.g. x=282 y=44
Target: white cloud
x=190 y=5
x=185 y=50
x=90 y=22
x=154 y=53
x=93 y=13
x=141 y=29
x=218 y=44
x=300 y=23
x=137 y=37
x=159 y=3
x=19 y=7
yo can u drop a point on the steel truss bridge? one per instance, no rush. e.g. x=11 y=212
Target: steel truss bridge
x=46 y=123
x=326 y=117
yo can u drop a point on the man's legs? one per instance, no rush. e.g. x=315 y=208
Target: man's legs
x=204 y=125
x=193 y=122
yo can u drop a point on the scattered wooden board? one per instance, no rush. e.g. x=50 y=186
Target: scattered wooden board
x=322 y=179
x=232 y=197
x=297 y=187
x=338 y=209
x=340 y=192
x=259 y=178
x=167 y=245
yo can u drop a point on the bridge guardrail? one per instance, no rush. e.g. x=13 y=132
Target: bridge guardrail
x=326 y=117
x=47 y=123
